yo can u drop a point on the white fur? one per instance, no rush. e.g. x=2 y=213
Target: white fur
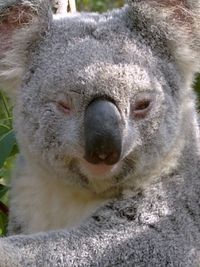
x=43 y=203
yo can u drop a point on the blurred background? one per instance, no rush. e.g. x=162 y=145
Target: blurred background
x=98 y=5
x=8 y=145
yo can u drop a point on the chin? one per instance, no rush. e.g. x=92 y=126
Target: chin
x=100 y=177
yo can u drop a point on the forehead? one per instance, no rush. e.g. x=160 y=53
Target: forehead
x=96 y=51
x=88 y=38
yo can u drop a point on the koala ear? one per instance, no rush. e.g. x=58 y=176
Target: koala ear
x=178 y=21
x=22 y=24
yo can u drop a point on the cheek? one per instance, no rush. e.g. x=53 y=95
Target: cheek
x=71 y=135
x=61 y=136
x=67 y=130
x=48 y=125
x=170 y=126
x=131 y=138
x=149 y=127
x=170 y=123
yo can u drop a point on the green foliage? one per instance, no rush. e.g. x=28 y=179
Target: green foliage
x=197 y=89
x=98 y=5
x=8 y=150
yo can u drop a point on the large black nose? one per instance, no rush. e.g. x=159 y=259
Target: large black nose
x=103 y=133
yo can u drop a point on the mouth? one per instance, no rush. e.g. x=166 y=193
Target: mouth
x=99 y=171
x=87 y=172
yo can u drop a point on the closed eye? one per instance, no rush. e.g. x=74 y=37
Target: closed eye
x=141 y=108
x=64 y=107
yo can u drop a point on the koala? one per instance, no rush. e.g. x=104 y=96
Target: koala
x=105 y=117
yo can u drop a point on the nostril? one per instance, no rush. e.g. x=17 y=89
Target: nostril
x=110 y=158
x=97 y=158
x=102 y=156
x=92 y=158
x=113 y=158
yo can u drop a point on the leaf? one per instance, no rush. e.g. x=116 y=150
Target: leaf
x=3 y=190
x=3 y=129
x=7 y=142
x=3 y=208
x=3 y=223
x=15 y=150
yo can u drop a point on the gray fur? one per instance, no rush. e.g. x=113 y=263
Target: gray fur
x=146 y=212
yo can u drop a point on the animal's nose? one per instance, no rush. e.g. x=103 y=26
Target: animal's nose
x=103 y=132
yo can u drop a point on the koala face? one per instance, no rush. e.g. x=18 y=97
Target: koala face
x=101 y=96
x=102 y=107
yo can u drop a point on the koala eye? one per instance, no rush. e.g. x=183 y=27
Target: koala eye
x=64 y=107
x=141 y=108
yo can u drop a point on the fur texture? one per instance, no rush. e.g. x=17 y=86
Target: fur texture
x=142 y=211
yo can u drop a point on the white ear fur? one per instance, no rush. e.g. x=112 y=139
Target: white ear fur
x=20 y=25
x=179 y=20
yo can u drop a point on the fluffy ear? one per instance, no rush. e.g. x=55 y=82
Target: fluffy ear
x=22 y=24
x=178 y=21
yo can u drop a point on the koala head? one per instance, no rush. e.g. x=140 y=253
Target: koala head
x=101 y=100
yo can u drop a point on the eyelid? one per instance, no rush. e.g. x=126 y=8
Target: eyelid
x=143 y=95
x=75 y=92
x=141 y=105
